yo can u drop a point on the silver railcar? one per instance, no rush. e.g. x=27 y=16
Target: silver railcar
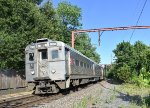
x=53 y=65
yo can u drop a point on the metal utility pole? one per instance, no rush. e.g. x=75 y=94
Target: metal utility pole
x=105 y=29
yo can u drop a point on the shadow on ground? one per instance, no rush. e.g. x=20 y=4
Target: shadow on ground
x=111 y=81
x=137 y=99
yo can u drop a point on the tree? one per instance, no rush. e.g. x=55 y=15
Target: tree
x=123 y=53
x=140 y=55
x=21 y=22
x=69 y=17
x=83 y=44
x=52 y=22
x=132 y=60
x=36 y=1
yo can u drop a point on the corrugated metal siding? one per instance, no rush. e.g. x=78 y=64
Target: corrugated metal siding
x=11 y=79
x=78 y=70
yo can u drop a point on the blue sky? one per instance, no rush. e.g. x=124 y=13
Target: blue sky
x=113 y=13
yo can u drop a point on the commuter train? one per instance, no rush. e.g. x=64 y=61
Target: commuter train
x=53 y=65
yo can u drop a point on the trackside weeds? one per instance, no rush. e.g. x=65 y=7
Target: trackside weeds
x=103 y=95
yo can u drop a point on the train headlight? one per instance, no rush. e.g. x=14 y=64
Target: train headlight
x=53 y=71
x=32 y=72
x=46 y=45
x=39 y=46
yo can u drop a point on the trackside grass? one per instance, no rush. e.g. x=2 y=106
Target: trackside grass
x=138 y=95
x=122 y=96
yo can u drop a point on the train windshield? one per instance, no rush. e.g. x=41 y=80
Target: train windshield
x=43 y=54
x=54 y=54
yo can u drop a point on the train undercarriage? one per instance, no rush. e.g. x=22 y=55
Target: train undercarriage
x=52 y=87
x=45 y=86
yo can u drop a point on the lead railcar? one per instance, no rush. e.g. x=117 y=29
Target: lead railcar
x=53 y=65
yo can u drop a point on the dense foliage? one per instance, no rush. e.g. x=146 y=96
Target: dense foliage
x=69 y=17
x=83 y=44
x=24 y=21
x=132 y=63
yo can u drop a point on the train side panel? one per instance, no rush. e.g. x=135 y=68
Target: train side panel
x=82 y=69
x=80 y=66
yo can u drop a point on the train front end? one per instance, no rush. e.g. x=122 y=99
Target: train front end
x=45 y=65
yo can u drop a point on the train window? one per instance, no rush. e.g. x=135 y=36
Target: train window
x=31 y=56
x=84 y=65
x=54 y=54
x=90 y=66
x=81 y=64
x=44 y=54
x=77 y=63
x=87 y=65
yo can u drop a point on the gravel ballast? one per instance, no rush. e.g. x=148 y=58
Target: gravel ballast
x=99 y=95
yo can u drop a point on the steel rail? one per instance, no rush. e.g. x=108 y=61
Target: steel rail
x=35 y=100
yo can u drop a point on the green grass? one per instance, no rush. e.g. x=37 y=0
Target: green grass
x=138 y=95
x=132 y=89
x=83 y=103
x=112 y=97
x=88 y=101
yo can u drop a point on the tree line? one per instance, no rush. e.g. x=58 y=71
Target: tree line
x=132 y=63
x=24 y=21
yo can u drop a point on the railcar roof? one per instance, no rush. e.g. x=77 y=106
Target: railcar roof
x=79 y=53
x=63 y=44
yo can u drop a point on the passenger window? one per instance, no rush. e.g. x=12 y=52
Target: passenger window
x=84 y=65
x=54 y=54
x=81 y=64
x=87 y=65
x=77 y=63
x=31 y=56
x=44 y=54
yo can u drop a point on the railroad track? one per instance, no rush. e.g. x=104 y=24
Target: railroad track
x=28 y=101
x=35 y=100
x=13 y=102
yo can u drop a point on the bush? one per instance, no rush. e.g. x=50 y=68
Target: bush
x=142 y=80
x=123 y=73
x=132 y=63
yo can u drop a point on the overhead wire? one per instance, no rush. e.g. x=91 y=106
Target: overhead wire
x=138 y=19
x=138 y=7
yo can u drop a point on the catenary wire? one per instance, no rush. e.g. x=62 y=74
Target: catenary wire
x=138 y=19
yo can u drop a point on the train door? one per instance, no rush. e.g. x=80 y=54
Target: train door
x=43 y=62
x=57 y=63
